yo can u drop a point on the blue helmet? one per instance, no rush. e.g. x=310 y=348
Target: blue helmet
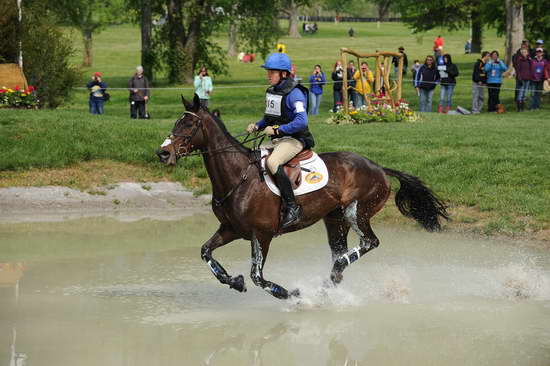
x=278 y=61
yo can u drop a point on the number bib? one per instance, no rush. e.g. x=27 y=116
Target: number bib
x=273 y=104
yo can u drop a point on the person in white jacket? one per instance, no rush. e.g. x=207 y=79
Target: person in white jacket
x=203 y=86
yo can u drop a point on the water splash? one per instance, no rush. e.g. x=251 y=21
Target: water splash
x=522 y=281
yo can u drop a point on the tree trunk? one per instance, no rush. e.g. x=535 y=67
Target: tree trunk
x=147 y=60
x=190 y=49
x=514 y=28
x=232 y=44
x=293 y=20
x=176 y=54
x=87 y=38
x=383 y=9
x=477 y=32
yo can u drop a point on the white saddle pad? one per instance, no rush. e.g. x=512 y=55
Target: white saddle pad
x=314 y=178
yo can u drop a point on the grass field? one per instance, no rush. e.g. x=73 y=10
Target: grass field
x=492 y=169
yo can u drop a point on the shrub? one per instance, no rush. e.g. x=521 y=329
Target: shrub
x=378 y=111
x=18 y=98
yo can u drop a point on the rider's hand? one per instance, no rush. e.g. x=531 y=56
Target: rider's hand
x=270 y=131
x=251 y=128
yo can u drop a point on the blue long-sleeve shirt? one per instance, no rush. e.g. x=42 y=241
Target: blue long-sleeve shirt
x=494 y=71
x=316 y=83
x=296 y=103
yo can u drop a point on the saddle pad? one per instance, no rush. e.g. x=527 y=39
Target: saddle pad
x=315 y=178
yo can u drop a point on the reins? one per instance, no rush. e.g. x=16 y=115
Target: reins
x=244 y=176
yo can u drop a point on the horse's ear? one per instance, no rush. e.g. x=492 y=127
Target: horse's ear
x=196 y=103
x=188 y=106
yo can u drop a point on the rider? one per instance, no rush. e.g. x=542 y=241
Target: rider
x=285 y=121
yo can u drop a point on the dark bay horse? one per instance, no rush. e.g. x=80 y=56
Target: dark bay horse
x=357 y=189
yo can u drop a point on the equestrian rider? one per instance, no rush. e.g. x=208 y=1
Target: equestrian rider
x=285 y=121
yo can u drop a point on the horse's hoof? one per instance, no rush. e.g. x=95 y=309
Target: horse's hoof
x=237 y=283
x=294 y=293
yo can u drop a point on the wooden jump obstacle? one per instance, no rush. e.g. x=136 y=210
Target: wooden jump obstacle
x=381 y=76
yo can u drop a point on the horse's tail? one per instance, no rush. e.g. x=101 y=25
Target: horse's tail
x=414 y=199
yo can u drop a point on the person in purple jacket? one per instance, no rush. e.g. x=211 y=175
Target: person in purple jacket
x=538 y=64
x=285 y=121
x=316 y=82
x=522 y=66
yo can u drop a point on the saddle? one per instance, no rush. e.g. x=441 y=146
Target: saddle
x=292 y=167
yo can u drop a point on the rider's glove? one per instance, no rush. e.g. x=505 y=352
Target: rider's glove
x=251 y=128
x=270 y=131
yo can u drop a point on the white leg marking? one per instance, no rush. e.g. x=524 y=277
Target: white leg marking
x=351 y=216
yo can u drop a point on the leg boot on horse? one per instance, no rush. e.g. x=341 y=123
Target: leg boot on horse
x=290 y=211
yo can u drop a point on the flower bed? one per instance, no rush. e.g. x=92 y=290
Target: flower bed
x=18 y=98
x=379 y=111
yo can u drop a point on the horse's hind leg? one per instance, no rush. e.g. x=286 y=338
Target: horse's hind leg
x=223 y=236
x=337 y=232
x=260 y=248
x=359 y=220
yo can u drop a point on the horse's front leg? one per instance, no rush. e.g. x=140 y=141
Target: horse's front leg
x=260 y=248
x=223 y=236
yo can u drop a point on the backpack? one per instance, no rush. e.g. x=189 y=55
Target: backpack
x=106 y=96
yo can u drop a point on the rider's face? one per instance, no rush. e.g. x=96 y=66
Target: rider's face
x=274 y=77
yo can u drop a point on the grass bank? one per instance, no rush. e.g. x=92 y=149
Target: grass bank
x=491 y=169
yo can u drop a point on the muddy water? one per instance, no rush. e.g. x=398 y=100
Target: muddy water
x=102 y=292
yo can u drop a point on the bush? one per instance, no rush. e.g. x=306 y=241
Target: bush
x=378 y=111
x=18 y=98
x=46 y=54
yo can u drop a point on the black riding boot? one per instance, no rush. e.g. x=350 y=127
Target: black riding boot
x=291 y=211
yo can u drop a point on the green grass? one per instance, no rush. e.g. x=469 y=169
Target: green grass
x=494 y=164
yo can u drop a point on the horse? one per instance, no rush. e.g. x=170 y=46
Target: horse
x=357 y=189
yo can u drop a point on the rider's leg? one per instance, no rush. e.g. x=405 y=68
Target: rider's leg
x=285 y=149
x=223 y=236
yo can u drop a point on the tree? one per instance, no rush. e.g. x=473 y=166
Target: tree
x=453 y=15
x=89 y=17
x=291 y=9
x=383 y=8
x=514 y=28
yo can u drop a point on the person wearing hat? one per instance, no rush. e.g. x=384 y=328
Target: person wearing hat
x=97 y=88
x=538 y=66
x=395 y=61
x=285 y=121
x=540 y=44
x=138 y=86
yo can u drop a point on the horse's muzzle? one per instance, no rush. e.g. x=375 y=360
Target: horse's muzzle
x=165 y=157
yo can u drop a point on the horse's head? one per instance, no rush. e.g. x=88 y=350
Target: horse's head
x=187 y=135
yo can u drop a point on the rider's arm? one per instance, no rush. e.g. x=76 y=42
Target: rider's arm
x=260 y=124
x=296 y=101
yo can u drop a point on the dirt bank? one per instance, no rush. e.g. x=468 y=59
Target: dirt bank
x=125 y=201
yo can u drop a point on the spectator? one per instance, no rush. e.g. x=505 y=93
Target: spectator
x=316 y=82
x=540 y=44
x=97 y=89
x=281 y=47
x=438 y=44
x=468 y=47
x=351 y=82
x=395 y=61
x=479 y=82
x=337 y=77
x=447 y=73
x=531 y=53
x=522 y=66
x=414 y=69
x=494 y=69
x=351 y=32
x=439 y=61
x=425 y=82
x=363 y=81
x=203 y=86
x=138 y=86
x=538 y=67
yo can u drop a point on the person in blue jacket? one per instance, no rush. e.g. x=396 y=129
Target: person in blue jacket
x=285 y=121
x=316 y=82
x=97 y=89
x=494 y=70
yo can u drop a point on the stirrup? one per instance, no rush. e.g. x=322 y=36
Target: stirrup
x=291 y=216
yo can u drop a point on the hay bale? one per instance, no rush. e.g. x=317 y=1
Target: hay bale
x=11 y=76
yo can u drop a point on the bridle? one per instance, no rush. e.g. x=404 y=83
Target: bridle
x=188 y=146
x=185 y=148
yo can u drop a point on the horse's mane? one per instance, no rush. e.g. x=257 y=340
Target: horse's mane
x=222 y=126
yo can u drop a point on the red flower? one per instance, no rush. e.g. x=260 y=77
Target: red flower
x=17 y=88
x=31 y=88
x=3 y=90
